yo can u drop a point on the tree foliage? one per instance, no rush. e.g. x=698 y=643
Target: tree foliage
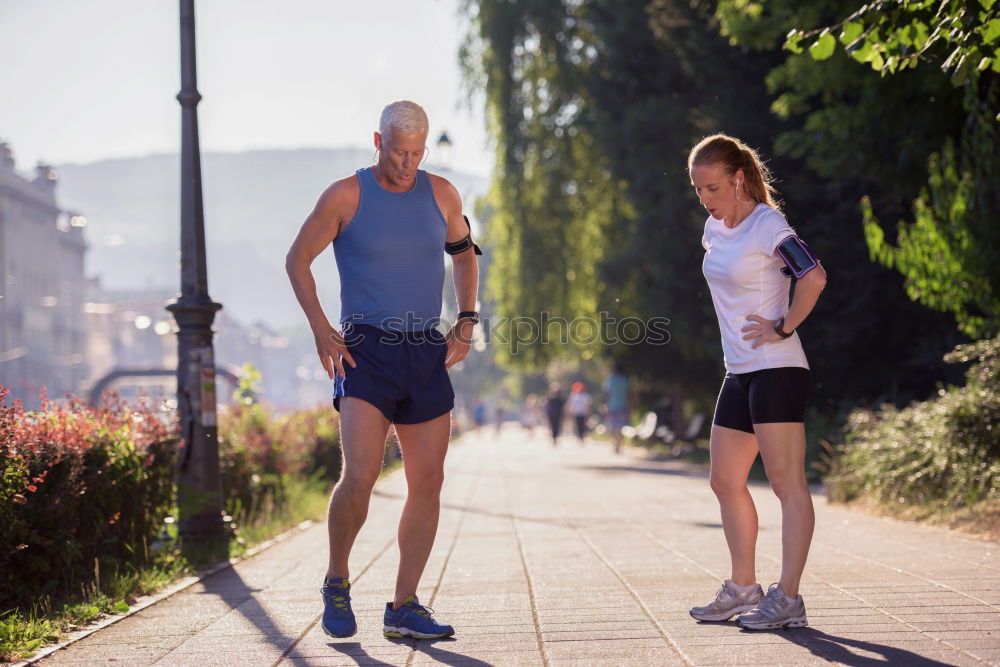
x=554 y=197
x=594 y=105
x=893 y=35
x=949 y=254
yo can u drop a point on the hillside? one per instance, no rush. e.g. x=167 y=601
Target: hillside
x=254 y=204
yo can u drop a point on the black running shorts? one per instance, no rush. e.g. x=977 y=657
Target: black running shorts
x=401 y=374
x=766 y=396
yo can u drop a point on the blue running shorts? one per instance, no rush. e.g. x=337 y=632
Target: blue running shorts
x=762 y=397
x=400 y=373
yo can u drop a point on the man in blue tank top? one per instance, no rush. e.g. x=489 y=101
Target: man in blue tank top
x=390 y=225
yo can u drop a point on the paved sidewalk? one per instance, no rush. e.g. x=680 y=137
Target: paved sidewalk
x=572 y=555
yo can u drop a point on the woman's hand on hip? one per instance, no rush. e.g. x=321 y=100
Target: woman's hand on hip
x=760 y=330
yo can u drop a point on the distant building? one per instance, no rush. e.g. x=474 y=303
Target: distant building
x=131 y=330
x=42 y=282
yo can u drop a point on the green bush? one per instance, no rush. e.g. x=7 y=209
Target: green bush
x=945 y=450
x=82 y=491
x=261 y=453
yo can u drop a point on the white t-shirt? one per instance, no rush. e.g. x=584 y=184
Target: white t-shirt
x=579 y=402
x=744 y=276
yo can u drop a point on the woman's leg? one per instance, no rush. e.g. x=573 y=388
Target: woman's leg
x=733 y=452
x=782 y=447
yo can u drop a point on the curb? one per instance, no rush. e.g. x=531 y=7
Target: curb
x=149 y=600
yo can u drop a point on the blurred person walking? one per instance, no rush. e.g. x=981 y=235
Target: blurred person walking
x=617 y=404
x=751 y=253
x=579 y=408
x=555 y=406
x=390 y=225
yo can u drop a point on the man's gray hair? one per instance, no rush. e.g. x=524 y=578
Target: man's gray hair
x=405 y=116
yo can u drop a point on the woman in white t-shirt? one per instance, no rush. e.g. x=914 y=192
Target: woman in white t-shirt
x=751 y=255
x=579 y=406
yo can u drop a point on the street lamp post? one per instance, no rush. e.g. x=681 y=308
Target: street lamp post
x=199 y=488
x=444 y=150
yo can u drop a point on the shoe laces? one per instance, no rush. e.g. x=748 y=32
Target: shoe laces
x=341 y=601
x=774 y=599
x=418 y=608
x=726 y=590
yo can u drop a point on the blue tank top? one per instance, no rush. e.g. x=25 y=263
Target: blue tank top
x=391 y=257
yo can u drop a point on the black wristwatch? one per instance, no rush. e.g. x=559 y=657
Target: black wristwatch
x=781 y=332
x=470 y=314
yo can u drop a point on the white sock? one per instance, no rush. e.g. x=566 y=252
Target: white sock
x=743 y=589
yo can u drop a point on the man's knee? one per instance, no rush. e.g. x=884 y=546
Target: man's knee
x=358 y=481
x=426 y=484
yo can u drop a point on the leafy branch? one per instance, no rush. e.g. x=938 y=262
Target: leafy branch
x=894 y=35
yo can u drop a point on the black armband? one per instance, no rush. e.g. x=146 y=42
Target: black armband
x=797 y=256
x=463 y=245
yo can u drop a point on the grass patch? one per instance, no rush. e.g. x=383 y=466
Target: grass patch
x=981 y=519
x=23 y=633
x=307 y=500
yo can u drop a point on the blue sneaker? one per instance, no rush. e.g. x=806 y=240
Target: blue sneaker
x=338 y=619
x=414 y=620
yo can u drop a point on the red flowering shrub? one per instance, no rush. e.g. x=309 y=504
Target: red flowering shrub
x=78 y=485
x=259 y=452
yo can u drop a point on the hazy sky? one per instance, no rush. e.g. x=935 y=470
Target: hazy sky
x=85 y=80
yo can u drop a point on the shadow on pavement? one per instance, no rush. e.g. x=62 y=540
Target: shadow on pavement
x=476 y=510
x=835 y=649
x=432 y=649
x=352 y=650
x=656 y=470
x=230 y=587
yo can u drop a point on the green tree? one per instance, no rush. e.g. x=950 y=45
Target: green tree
x=858 y=134
x=594 y=106
x=949 y=253
x=553 y=194
x=892 y=35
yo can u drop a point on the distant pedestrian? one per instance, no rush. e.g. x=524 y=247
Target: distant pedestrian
x=555 y=406
x=579 y=408
x=617 y=404
x=479 y=413
x=530 y=413
x=750 y=255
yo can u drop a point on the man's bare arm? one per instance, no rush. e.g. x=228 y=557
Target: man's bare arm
x=465 y=269
x=320 y=228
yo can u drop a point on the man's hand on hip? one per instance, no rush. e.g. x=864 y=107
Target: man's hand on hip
x=459 y=339
x=332 y=351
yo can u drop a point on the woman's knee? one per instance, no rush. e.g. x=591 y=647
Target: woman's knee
x=788 y=485
x=726 y=487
